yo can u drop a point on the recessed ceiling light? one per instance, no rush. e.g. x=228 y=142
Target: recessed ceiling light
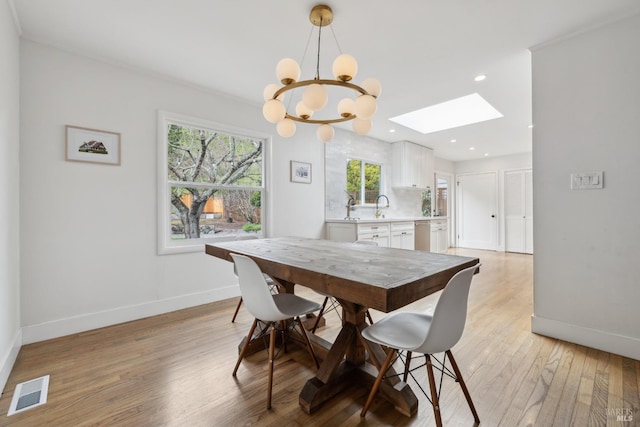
x=480 y=77
x=472 y=148
x=530 y=126
x=486 y=154
x=392 y=130
x=453 y=140
x=450 y=114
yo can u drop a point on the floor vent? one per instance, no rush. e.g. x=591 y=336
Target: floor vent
x=29 y=394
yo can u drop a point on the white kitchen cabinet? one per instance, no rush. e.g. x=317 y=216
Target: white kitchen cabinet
x=412 y=165
x=403 y=235
x=377 y=232
x=518 y=207
x=352 y=231
x=439 y=241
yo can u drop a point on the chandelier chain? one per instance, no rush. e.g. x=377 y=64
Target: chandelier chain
x=306 y=46
x=318 y=59
x=304 y=55
x=336 y=39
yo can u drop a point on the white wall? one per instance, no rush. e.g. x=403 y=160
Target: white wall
x=586 y=111
x=444 y=166
x=88 y=231
x=499 y=165
x=9 y=194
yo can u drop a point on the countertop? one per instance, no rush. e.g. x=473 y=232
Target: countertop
x=375 y=220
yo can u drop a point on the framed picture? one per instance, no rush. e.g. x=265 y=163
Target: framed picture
x=92 y=145
x=300 y=172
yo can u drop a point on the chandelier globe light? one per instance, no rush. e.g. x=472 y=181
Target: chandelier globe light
x=361 y=126
x=359 y=108
x=325 y=132
x=286 y=128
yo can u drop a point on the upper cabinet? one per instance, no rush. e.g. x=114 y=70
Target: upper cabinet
x=412 y=165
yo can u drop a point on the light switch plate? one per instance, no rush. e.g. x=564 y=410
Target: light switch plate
x=587 y=180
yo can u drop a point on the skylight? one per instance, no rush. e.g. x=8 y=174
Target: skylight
x=450 y=114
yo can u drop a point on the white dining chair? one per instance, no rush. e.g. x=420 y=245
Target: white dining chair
x=273 y=288
x=270 y=309
x=427 y=334
x=331 y=304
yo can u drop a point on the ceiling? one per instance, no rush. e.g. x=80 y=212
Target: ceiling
x=423 y=51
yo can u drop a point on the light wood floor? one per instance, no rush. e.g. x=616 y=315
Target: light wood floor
x=175 y=370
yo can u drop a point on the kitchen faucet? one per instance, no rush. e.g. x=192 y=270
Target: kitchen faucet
x=350 y=206
x=378 y=213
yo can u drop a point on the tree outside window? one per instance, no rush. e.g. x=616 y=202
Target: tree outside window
x=363 y=181
x=214 y=183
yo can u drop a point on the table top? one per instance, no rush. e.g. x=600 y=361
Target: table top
x=384 y=279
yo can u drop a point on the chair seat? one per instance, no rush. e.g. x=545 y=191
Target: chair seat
x=403 y=331
x=292 y=305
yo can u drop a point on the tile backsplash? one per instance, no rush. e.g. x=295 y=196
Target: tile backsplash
x=403 y=202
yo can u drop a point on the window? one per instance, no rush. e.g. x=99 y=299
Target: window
x=363 y=181
x=211 y=183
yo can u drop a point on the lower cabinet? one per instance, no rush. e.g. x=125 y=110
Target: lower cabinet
x=439 y=241
x=386 y=234
x=378 y=232
x=403 y=235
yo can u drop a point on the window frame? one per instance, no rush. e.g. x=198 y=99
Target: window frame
x=362 y=191
x=166 y=245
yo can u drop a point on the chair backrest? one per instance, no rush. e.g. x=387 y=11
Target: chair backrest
x=254 y=289
x=450 y=313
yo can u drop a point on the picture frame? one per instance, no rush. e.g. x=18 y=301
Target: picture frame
x=92 y=145
x=300 y=172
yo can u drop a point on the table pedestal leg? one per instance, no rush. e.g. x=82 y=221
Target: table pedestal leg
x=345 y=364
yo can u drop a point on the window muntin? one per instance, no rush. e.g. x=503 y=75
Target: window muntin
x=212 y=183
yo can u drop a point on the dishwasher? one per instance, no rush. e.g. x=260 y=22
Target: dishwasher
x=423 y=235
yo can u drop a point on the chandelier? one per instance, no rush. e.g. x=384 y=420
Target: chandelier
x=315 y=96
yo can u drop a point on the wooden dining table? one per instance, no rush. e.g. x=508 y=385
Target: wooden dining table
x=359 y=277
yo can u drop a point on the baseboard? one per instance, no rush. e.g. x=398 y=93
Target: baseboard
x=601 y=340
x=9 y=360
x=86 y=322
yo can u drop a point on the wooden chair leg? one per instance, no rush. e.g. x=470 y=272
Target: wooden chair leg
x=434 y=392
x=307 y=342
x=233 y=319
x=376 y=384
x=315 y=325
x=369 y=317
x=406 y=367
x=283 y=327
x=272 y=344
x=245 y=346
x=454 y=365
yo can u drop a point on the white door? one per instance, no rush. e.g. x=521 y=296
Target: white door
x=518 y=210
x=477 y=211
